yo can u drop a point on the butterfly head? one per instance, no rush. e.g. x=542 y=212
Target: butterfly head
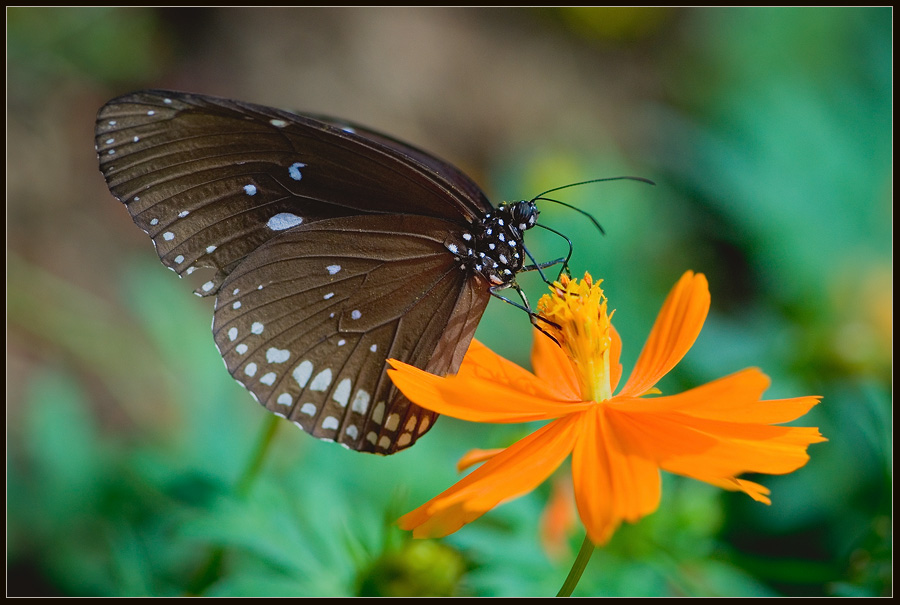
x=523 y=214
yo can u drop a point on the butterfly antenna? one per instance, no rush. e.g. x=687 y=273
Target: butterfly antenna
x=576 y=209
x=611 y=178
x=540 y=196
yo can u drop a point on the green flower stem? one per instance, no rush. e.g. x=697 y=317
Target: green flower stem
x=581 y=561
x=267 y=433
x=212 y=569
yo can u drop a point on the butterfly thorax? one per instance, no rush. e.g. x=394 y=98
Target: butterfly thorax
x=494 y=247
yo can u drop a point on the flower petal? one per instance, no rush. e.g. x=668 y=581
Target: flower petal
x=553 y=367
x=707 y=449
x=559 y=520
x=758 y=492
x=515 y=471
x=677 y=327
x=746 y=448
x=733 y=398
x=615 y=352
x=476 y=456
x=482 y=363
x=480 y=394
x=613 y=482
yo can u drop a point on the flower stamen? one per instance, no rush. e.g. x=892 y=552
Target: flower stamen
x=579 y=309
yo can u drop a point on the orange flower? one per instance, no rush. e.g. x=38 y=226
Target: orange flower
x=618 y=443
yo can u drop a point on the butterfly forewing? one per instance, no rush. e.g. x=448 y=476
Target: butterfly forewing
x=334 y=249
x=210 y=179
x=455 y=180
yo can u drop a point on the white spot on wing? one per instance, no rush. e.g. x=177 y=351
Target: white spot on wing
x=332 y=269
x=179 y=259
x=250 y=189
x=285 y=399
x=168 y=236
x=360 y=402
x=250 y=370
x=378 y=413
x=208 y=286
x=342 y=392
x=352 y=432
x=256 y=328
x=284 y=220
x=373 y=348
x=277 y=123
x=294 y=170
x=269 y=378
x=274 y=355
x=183 y=213
x=355 y=314
x=393 y=422
x=309 y=409
x=232 y=334
x=236 y=305
x=330 y=423
x=210 y=249
x=241 y=349
x=321 y=381
x=302 y=373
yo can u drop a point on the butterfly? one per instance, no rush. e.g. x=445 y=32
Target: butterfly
x=332 y=248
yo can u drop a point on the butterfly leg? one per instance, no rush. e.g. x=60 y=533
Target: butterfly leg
x=539 y=266
x=527 y=307
x=565 y=262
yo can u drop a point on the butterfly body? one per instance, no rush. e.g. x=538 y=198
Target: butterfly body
x=331 y=248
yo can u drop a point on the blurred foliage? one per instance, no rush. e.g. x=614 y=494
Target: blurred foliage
x=768 y=133
x=105 y=45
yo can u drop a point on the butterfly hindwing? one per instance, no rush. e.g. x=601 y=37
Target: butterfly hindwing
x=333 y=319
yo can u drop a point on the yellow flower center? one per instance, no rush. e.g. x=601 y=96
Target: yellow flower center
x=578 y=307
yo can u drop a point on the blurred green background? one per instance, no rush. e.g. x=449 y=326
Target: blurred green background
x=769 y=135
